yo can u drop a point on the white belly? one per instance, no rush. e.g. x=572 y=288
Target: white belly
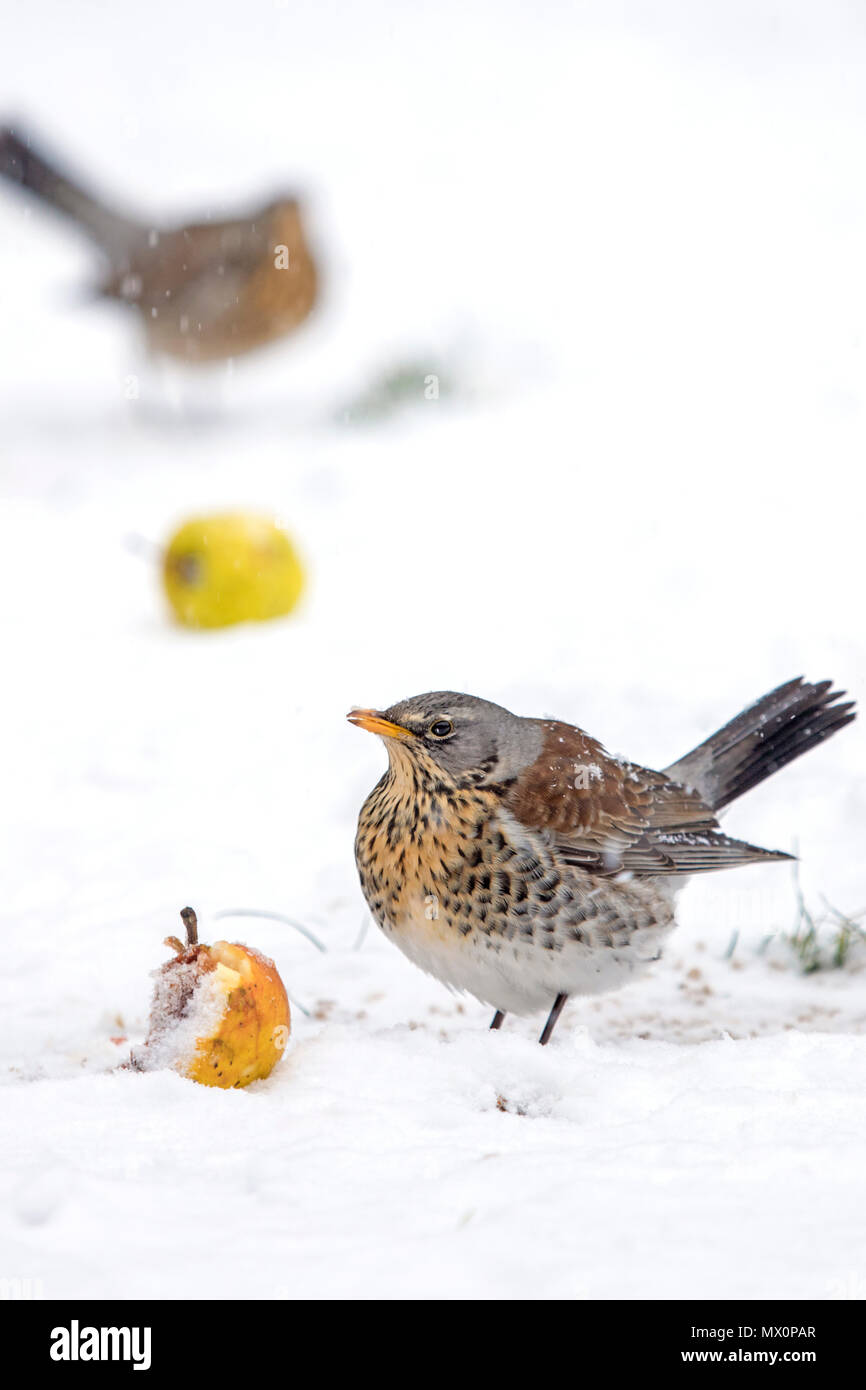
x=521 y=977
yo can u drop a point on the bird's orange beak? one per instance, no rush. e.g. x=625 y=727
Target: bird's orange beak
x=375 y=723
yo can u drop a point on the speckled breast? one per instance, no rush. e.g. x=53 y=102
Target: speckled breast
x=479 y=901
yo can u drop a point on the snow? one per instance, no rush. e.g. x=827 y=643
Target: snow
x=187 y=1004
x=633 y=249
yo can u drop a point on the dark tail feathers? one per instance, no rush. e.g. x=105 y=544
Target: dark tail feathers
x=22 y=164
x=766 y=736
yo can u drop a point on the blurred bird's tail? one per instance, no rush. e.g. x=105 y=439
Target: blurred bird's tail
x=21 y=163
x=766 y=736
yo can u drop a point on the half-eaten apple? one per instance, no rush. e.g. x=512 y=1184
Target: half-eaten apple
x=219 y=1014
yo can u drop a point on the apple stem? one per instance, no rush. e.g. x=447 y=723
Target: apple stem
x=139 y=545
x=190 y=921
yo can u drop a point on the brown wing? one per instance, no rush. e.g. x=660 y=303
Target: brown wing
x=608 y=816
x=172 y=261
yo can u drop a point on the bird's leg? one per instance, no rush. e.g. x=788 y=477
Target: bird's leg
x=498 y=1019
x=549 y=1026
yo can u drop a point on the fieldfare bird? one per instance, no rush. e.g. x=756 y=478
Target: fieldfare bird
x=203 y=291
x=519 y=861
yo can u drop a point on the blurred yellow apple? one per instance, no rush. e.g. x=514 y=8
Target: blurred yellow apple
x=233 y=567
x=219 y=1015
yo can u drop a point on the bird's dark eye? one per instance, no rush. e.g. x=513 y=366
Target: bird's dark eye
x=441 y=728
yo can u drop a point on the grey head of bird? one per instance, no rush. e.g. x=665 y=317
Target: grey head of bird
x=471 y=742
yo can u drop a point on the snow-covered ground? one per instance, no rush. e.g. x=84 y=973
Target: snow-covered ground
x=634 y=249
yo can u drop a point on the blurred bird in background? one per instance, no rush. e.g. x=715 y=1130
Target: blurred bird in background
x=204 y=291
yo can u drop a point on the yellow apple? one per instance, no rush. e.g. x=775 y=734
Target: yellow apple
x=232 y=567
x=219 y=1014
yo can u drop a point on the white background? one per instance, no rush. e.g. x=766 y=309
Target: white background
x=632 y=238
